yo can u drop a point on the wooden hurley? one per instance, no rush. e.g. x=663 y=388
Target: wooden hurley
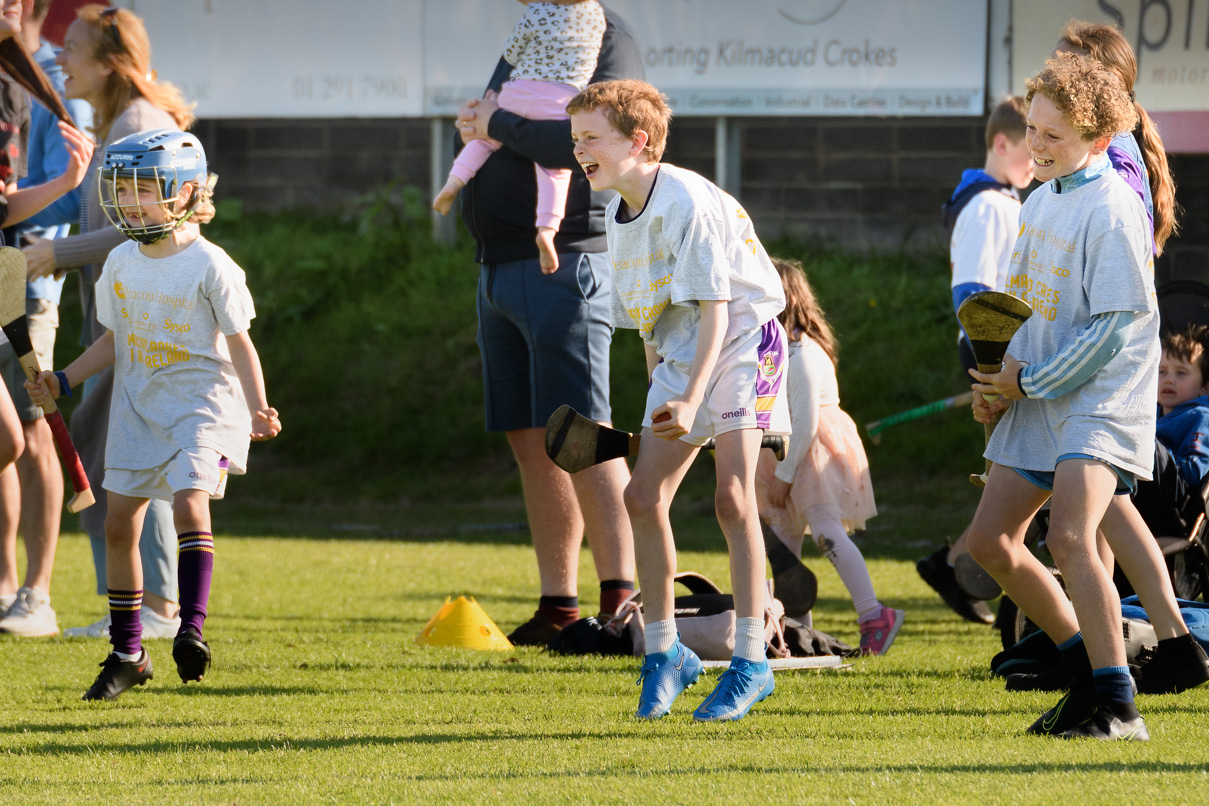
x=12 y=318
x=990 y=319
x=575 y=443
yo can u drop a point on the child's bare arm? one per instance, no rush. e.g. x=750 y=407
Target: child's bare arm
x=709 y=345
x=98 y=356
x=29 y=201
x=265 y=424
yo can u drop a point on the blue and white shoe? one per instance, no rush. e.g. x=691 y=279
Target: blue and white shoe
x=664 y=675
x=743 y=685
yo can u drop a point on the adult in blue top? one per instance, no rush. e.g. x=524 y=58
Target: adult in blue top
x=545 y=338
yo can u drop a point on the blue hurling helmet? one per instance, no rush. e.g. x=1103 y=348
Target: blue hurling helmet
x=169 y=158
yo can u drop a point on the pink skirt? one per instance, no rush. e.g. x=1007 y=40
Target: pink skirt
x=832 y=480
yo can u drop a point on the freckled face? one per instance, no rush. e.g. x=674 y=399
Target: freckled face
x=600 y=149
x=1057 y=148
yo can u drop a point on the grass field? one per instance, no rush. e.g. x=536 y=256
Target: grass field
x=319 y=694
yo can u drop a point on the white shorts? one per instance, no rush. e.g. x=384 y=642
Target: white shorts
x=742 y=392
x=194 y=468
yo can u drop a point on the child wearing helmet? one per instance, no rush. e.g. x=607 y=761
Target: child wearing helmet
x=188 y=388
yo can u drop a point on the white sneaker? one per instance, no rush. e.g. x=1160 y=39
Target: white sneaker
x=154 y=626
x=30 y=616
x=6 y=602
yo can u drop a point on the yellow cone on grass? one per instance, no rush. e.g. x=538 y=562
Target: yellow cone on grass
x=462 y=622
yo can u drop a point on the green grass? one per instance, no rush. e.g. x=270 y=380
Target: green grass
x=319 y=694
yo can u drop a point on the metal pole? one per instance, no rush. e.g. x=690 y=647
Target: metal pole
x=444 y=227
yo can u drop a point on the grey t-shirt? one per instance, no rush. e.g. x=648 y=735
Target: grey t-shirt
x=691 y=242
x=174 y=385
x=1081 y=252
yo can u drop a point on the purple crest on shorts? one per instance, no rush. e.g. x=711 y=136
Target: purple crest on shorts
x=773 y=351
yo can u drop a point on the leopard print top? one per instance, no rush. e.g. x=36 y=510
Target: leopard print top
x=557 y=43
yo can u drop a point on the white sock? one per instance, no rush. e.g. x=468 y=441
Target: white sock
x=660 y=636
x=833 y=541
x=125 y=656
x=749 y=638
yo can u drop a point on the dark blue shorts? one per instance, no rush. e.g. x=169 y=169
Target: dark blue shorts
x=1044 y=479
x=545 y=339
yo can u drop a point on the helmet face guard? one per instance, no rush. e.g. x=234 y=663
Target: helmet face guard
x=166 y=158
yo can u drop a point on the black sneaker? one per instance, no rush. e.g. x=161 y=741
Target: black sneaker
x=537 y=631
x=192 y=655
x=1109 y=727
x=793 y=583
x=1056 y=678
x=1174 y=669
x=118 y=675
x=935 y=570
x=1075 y=707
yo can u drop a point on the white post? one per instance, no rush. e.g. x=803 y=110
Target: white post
x=721 y=154
x=444 y=227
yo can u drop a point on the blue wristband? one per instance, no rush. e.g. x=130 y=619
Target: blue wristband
x=64 y=386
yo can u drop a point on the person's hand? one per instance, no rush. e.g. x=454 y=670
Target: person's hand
x=265 y=425
x=673 y=419
x=39 y=257
x=44 y=389
x=1005 y=383
x=475 y=115
x=778 y=492
x=79 y=148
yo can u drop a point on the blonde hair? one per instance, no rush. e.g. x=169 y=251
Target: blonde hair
x=631 y=106
x=1108 y=45
x=119 y=41
x=802 y=315
x=1091 y=96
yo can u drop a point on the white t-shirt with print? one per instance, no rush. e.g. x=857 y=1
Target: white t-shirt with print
x=1082 y=252
x=174 y=385
x=981 y=246
x=691 y=242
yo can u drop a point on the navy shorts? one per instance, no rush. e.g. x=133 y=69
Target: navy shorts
x=1044 y=479
x=545 y=339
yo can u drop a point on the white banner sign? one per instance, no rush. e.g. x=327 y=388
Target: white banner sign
x=393 y=58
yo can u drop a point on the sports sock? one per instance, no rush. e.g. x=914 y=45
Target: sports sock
x=125 y=629
x=195 y=567
x=612 y=593
x=558 y=610
x=1114 y=691
x=749 y=638
x=1074 y=652
x=660 y=636
x=832 y=539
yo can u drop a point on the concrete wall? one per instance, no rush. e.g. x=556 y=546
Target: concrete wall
x=858 y=183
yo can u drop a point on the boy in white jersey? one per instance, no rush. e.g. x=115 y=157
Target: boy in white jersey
x=692 y=277
x=1082 y=371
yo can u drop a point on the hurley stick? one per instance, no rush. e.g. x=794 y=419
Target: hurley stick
x=12 y=318
x=875 y=428
x=575 y=443
x=990 y=319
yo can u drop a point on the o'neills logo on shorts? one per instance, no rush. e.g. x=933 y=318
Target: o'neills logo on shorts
x=730 y=415
x=193 y=474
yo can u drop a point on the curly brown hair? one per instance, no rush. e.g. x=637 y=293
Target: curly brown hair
x=1090 y=95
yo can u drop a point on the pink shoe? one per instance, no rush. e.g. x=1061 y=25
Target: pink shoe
x=878 y=633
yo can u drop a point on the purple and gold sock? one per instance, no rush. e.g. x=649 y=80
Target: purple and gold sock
x=195 y=566
x=125 y=629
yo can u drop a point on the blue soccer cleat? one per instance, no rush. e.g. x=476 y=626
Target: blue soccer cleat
x=743 y=685
x=664 y=675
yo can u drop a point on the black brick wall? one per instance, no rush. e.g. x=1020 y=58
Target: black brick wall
x=859 y=183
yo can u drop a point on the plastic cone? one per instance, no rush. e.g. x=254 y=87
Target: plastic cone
x=462 y=622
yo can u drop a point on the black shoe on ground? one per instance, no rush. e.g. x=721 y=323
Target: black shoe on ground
x=1109 y=727
x=935 y=570
x=119 y=675
x=192 y=655
x=1075 y=707
x=1174 y=669
x=793 y=583
x=1056 y=678
x=537 y=631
